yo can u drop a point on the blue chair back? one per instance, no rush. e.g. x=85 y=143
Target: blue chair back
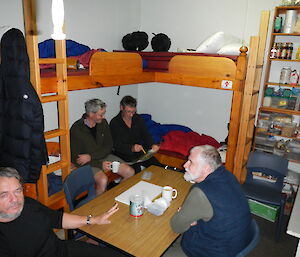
x=77 y=182
x=269 y=164
x=255 y=236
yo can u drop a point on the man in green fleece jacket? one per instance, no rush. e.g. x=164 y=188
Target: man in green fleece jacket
x=91 y=143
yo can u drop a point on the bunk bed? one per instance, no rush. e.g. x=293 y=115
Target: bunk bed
x=122 y=68
x=118 y=69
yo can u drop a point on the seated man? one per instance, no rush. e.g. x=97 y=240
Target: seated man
x=215 y=218
x=91 y=143
x=130 y=135
x=26 y=226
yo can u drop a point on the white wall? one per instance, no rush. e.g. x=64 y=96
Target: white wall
x=188 y=23
x=96 y=23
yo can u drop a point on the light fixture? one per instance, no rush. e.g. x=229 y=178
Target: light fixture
x=58 y=19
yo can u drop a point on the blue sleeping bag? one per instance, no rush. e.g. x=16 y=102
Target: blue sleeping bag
x=157 y=130
x=47 y=48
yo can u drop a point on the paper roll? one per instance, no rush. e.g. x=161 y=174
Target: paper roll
x=290 y=21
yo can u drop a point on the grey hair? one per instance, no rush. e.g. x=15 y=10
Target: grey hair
x=9 y=172
x=209 y=155
x=94 y=105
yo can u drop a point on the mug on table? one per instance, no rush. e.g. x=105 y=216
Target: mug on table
x=169 y=193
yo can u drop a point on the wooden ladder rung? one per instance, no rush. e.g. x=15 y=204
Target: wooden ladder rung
x=51 y=61
x=53 y=98
x=54 y=133
x=56 y=166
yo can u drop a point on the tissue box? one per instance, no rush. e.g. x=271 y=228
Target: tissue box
x=265 y=211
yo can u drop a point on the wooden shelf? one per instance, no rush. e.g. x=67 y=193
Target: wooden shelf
x=280 y=84
x=286 y=34
x=285 y=111
x=284 y=60
x=271 y=134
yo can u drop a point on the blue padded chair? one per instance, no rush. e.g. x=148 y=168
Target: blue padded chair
x=77 y=182
x=266 y=191
x=253 y=242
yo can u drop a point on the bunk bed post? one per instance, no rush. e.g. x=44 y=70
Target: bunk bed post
x=29 y=10
x=237 y=98
x=251 y=93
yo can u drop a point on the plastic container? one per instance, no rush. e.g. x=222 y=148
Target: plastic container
x=285 y=75
x=288 y=129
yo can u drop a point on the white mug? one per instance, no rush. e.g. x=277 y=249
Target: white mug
x=169 y=193
x=115 y=166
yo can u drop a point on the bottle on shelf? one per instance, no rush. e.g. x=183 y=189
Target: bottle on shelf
x=277 y=24
x=289 y=50
x=283 y=51
x=268 y=97
x=279 y=50
x=273 y=52
x=298 y=54
x=294 y=78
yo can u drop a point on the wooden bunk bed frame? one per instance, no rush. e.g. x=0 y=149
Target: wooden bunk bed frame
x=117 y=69
x=120 y=68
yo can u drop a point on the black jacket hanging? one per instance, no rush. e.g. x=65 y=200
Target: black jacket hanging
x=22 y=142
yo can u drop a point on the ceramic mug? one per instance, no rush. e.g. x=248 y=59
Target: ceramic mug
x=169 y=193
x=115 y=166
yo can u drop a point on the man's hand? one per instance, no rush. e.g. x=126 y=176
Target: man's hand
x=103 y=219
x=194 y=223
x=83 y=159
x=136 y=148
x=155 y=148
x=106 y=165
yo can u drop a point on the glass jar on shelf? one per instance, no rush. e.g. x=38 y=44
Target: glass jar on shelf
x=285 y=75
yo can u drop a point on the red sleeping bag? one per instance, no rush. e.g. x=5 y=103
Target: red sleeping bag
x=182 y=142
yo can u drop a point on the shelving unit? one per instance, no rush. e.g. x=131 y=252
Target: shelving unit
x=275 y=118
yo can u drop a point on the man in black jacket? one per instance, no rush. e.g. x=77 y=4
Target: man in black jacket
x=26 y=226
x=130 y=135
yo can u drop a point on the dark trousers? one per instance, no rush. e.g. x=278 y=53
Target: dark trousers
x=151 y=161
x=80 y=249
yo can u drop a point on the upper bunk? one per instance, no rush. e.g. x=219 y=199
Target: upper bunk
x=108 y=69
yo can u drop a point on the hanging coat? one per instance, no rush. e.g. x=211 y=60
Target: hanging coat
x=22 y=142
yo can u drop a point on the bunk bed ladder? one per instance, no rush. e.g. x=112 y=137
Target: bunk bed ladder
x=250 y=98
x=61 y=133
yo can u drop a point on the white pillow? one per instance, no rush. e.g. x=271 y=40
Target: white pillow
x=230 y=49
x=212 y=44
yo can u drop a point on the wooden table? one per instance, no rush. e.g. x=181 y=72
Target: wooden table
x=148 y=235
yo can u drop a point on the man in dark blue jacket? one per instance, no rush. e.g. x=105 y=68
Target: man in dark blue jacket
x=215 y=218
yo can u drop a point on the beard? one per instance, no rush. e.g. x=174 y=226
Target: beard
x=188 y=176
x=12 y=216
